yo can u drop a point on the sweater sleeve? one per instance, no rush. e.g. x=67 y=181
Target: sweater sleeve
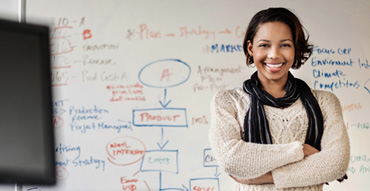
x=331 y=162
x=237 y=157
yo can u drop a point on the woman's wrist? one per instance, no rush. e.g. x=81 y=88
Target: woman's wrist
x=264 y=179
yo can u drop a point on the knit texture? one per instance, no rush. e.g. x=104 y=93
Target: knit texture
x=284 y=158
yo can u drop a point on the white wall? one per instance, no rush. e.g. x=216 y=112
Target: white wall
x=9 y=9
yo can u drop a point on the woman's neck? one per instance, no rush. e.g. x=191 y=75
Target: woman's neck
x=274 y=88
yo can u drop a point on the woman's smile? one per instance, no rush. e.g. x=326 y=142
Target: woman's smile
x=274 y=67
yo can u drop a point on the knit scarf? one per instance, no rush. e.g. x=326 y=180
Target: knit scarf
x=256 y=127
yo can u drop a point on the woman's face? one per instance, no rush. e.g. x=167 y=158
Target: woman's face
x=273 y=51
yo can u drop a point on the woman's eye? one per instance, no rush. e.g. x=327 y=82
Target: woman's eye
x=286 y=45
x=263 y=45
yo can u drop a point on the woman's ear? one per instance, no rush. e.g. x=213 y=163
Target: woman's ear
x=249 y=48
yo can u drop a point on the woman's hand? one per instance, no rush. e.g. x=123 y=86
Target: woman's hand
x=309 y=150
x=264 y=179
x=267 y=178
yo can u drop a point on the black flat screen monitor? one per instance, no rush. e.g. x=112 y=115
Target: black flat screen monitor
x=26 y=124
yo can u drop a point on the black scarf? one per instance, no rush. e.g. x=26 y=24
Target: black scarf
x=256 y=127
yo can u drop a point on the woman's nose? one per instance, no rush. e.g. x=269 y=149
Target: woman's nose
x=274 y=53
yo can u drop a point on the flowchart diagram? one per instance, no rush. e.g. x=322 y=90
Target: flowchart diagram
x=123 y=150
x=164 y=74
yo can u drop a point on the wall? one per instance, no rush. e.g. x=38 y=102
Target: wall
x=9 y=10
x=133 y=80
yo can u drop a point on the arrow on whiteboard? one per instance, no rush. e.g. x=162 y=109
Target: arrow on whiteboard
x=62 y=111
x=162 y=145
x=186 y=189
x=165 y=103
x=170 y=34
x=217 y=174
x=226 y=31
x=367 y=88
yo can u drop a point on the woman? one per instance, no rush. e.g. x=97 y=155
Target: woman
x=276 y=133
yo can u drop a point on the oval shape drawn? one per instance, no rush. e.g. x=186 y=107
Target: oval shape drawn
x=125 y=150
x=61 y=173
x=165 y=73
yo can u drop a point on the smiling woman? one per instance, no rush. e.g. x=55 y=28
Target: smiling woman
x=291 y=137
x=273 y=54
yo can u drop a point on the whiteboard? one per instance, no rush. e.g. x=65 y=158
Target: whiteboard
x=132 y=83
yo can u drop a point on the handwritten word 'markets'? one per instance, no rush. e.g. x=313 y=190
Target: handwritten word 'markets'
x=216 y=48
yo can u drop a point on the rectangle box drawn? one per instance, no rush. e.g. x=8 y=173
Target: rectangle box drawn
x=160 y=161
x=205 y=183
x=208 y=159
x=160 y=117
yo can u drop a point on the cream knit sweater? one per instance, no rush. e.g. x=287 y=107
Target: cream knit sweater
x=288 y=126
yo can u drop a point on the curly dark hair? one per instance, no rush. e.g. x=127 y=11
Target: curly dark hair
x=303 y=50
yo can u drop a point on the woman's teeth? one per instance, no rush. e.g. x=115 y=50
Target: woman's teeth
x=274 y=65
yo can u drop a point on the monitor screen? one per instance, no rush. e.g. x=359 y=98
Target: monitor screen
x=26 y=125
